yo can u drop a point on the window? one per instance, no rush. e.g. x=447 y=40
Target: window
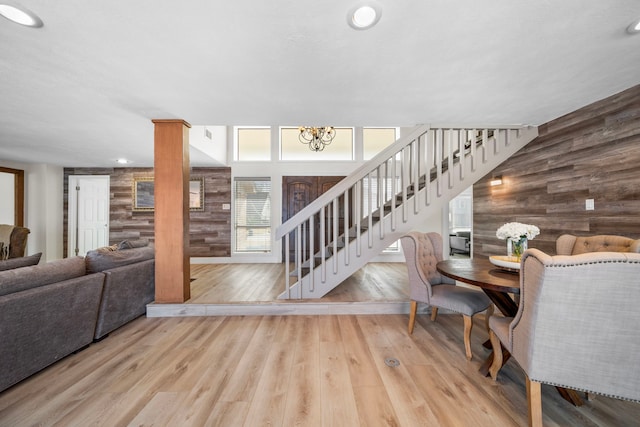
x=252 y=214
x=341 y=148
x=253 y=144
x=374 y=140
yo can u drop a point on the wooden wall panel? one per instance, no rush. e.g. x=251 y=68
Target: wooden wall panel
x=591 y=153
x=209 y=230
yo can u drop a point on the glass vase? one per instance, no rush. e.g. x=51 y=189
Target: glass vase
x=515 y=249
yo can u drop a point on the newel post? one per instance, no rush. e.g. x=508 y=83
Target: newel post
x=171 y=204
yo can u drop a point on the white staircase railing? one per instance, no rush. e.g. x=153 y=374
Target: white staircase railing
x=394 y=192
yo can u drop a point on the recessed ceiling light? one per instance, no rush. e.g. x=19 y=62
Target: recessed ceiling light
x=634 y=27
x=20 y=15
x=122 y=161
x=364 y=15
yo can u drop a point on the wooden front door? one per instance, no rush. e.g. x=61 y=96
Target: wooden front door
x=297 y=193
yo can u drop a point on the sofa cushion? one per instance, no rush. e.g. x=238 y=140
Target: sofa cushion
x=20 y=279
x=99 y=260
x=25 y=261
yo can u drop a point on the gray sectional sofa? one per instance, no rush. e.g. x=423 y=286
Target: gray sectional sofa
x=129 y=285
x=51 y=310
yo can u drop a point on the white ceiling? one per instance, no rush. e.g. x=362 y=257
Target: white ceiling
x=82 y=90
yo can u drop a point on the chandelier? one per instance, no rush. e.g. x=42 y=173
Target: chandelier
x=317 y=138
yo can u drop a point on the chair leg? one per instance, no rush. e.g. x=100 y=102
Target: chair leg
x=434 y=313
x=496 y=365
x=488 y=314
x=412 y=315
x=534 y=401
x=468 y=324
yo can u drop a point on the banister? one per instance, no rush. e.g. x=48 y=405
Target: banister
x=366 y=168
x=422 y=165
x=348 y=181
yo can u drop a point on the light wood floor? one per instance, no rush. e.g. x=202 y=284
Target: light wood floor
x=233 y=283
x=303 y=370
x=287 y=371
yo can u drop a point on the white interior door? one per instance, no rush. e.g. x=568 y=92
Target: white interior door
x=88 y=214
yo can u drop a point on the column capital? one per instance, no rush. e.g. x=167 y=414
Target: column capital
x=161 y=121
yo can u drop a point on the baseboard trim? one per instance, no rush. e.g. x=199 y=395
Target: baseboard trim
x=280 y=309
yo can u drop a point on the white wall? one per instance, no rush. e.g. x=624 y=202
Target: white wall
x=214 y=148
x=43 y=187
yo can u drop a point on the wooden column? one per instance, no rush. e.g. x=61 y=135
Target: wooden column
x=171 y=204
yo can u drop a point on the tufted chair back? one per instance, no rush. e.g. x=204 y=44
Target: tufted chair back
x=568 y=244
x=422 y=252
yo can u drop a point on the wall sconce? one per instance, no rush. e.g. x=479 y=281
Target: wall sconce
x=496 y=180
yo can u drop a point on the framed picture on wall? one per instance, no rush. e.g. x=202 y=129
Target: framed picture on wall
x=143 y=194
x=196 y=194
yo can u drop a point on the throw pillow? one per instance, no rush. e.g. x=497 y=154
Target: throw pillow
x=131 y=244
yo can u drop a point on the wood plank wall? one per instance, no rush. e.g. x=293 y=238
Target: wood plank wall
x=592 y=153
x=209 y=230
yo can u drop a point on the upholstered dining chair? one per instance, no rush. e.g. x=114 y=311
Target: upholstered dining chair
x=422 y=252
x=576 y=325
x=568 y=244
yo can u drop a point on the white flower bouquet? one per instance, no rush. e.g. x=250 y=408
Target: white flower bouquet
x=515 y=231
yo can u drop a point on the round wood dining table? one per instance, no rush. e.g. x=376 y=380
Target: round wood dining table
x=497 y=283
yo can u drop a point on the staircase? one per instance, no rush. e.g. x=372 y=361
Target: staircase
x=392 y=194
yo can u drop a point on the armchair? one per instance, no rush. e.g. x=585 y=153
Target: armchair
x=576 y=325
x=422 y=252
x=15 y=238
x=568 y=244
